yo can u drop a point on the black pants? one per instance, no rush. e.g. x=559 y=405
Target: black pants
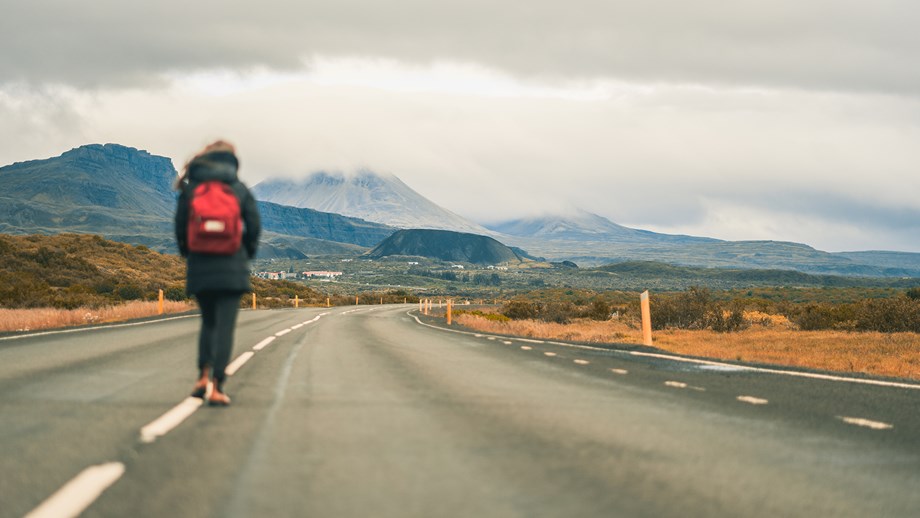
x=218 y=322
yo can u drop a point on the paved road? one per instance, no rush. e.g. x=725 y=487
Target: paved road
x=368 y=411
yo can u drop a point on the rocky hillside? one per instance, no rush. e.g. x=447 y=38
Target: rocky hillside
x=446 y=246
x=126 y=194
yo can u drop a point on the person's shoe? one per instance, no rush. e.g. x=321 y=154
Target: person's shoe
x=201 y=386
x=218 y=398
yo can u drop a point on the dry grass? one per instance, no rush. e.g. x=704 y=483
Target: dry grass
x=895 y=354
x=47 y=318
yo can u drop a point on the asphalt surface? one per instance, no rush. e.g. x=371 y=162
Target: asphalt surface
x=372 y=411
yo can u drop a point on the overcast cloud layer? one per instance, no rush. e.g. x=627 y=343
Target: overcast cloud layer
x=785 y=120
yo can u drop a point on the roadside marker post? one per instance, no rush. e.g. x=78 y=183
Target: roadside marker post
x=296 y=301
x=356 y=300
x=646 y=319
x=327 y=302
x=449 y=311
x=253 y=300
x=160 y=303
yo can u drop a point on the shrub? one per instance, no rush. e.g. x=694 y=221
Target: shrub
x=598 y=310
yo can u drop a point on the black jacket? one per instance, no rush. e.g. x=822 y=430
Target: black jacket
x=218 y=273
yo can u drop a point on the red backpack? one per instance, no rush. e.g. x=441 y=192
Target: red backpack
x=214 y=223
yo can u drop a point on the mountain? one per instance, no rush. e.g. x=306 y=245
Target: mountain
x=126 y=194
x=367 y=195
x=589 y=239
x=584 y=226
x=445 y=245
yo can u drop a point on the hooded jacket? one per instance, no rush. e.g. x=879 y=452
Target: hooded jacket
x=218 y=273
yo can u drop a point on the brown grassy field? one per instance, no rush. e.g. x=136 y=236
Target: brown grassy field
x=49 y=318
x=772 y=342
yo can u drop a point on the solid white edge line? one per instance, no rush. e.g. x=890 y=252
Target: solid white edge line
x=95 y=328
x=75 y=496
x=263 y=344
x=238 y=362
x=752 y=400
x=866 y=423
x=171 y=419
x=826 y=377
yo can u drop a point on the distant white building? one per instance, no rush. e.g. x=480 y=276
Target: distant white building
x=457 y=266
x=321 y=275
x=272 y=276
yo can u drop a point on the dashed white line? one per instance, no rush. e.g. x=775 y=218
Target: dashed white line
x=283 y=332
x=506 y=342
x=675 y=384
x=528 y=340
x=263 y=344
x=752 y=400
x=582 y=362
x=171 y=419
x=526 y=348
x=858 y=421
x=238 y=362
x=619 y=371
x=490 y=338
x=550 y=353
x=75 y=496
x=298 y=326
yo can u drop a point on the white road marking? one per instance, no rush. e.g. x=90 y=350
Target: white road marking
x=75 y=496
x=781 y=372
x=752 y=400
x=263 y=344
x=490 y=338
x=858 y=421
x=283 y=332
x=550 y=354
x=675 y=384
x=526 y=348
x=746 y=368
x=94 y=328
x=298 y=326
x=619 y=371
x=171 y=419
x=506 y=342
x=238 y=362
x=582 y=362
x=477 y=335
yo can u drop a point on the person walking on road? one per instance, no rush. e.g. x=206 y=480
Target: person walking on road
x=217 y=229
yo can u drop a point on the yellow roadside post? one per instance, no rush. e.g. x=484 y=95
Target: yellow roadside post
x=160 y=304
x=646 y=319
x=381 y=300
x=296 y=301
x=449 y=316
x=253 y=300
x=356 y=300
x=327 y=302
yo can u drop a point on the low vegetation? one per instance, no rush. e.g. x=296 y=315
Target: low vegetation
x=50 y=318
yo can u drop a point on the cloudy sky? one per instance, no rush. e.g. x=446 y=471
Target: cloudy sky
x=794 y=120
